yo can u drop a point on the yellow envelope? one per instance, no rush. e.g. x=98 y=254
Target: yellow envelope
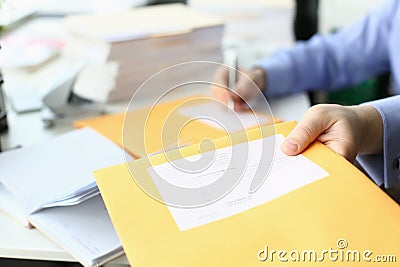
x=344 y=212
x=154 y=129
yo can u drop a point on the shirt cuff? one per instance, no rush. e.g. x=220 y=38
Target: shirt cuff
x=277 y=68
x=384 y=169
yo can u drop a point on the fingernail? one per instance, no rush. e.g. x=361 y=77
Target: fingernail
x=290 y=145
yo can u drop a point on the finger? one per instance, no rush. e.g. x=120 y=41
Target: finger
x=219 y=86
x=244 y=87
x=240 y=104
x=242 y=92
x=342 y=149
x=221 y=94
x=308 y=130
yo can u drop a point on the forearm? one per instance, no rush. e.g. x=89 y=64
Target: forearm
x=333 y=61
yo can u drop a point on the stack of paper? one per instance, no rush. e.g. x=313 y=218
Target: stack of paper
x=51 y=186
x=143 y=42
x=12 y=14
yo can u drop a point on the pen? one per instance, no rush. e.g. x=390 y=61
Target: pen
x=232 y=81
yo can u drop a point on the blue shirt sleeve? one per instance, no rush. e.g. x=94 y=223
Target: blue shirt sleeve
x=328 y=62
x=384 y=168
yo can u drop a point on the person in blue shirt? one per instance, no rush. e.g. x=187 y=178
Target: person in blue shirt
x=347 y=57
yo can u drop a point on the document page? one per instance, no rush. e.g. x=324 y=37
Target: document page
x=84 y=230
x=284 y=174
x=40 y=175
x=9 y=204
x=218 y=116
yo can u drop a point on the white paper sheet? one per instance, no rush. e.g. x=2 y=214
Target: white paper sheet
x=217 y=115
x=42 y=174
x=285 y=175
x=84 y=230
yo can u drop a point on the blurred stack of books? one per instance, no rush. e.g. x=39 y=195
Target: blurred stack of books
x=126 y=48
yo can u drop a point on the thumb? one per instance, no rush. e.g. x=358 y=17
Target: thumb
x=244 y=91
x=309 y=128
x=244 y=87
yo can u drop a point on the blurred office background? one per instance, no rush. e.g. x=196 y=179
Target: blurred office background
x=253 y=28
